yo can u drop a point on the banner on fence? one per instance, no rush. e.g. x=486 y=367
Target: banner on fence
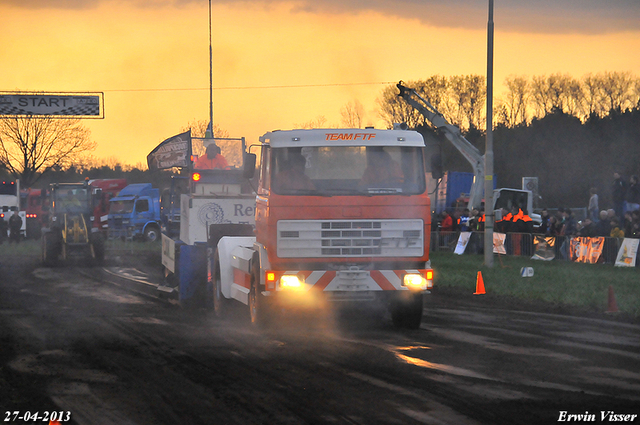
x=627 y=253
x=544 y=248
x=586 y=250
x=463 y=241
x=498 y=243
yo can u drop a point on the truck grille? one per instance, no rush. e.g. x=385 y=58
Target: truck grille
x=347 y=238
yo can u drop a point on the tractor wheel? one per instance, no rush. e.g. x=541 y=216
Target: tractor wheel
x=50 y=248
x=97 y=244
x=407 y=312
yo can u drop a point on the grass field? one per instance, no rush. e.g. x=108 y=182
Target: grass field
x=556 y=284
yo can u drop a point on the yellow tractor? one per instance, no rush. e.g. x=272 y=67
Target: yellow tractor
x=70 y=231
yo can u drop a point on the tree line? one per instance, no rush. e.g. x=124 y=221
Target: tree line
x=571 y=133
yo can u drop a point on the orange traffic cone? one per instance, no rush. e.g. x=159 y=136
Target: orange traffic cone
x=479 y=285
x=613 y=305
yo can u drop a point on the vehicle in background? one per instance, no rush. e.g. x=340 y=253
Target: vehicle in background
x=135 y=213
x=69 y=231
x=109 y=189
x=9 y=203
x=208 y=199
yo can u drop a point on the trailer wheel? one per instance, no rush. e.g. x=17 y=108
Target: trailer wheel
x=259 y=311
x=219 y=302
x=407 y=311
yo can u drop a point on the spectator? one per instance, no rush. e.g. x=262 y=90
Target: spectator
x=3 y=230
x=627 y=225
x=15 y=223
x=587 y=228
x=603 y=226
x=568 y=223
x=463 y=221
x=633 y=195
x=447 y=222
x=544 y=225
x=553 y=228
x=618 y=193
x=594 y=209
x=616 y=231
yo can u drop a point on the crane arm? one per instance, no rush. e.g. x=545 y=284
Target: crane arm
x=453 y=134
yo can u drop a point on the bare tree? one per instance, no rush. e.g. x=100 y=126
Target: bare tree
x=512 y=108
x=394 y=110
x=617 y=90
x=352 y=114
x=31 y=146
x=593 y=95
x=469 y=94
x=318 y=122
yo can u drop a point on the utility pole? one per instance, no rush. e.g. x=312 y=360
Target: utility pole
x=488 y=156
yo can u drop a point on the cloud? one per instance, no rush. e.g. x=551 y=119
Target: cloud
x=522 y=16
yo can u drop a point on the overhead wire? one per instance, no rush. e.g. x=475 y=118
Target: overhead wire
x=250 y=87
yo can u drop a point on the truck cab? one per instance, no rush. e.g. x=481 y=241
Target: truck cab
x=342 y=218
x=135 y=213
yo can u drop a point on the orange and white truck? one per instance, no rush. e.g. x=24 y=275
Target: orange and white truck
x=342 y=218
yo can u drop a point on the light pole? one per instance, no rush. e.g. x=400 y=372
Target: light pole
x=488 y=156
x=210 y=80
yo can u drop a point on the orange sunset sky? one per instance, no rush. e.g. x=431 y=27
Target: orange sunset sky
x=280 y=64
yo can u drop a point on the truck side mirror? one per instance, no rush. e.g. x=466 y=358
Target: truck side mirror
x=249 y=165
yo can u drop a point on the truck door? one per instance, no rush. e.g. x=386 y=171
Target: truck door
x=142 y=211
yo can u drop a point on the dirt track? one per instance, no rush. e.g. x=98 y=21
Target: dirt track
x=72 y=342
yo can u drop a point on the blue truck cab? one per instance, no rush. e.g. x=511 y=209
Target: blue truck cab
x=135 y=213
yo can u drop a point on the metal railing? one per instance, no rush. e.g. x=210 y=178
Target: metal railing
x=520 y=244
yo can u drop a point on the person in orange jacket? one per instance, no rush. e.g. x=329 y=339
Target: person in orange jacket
x=212 y=159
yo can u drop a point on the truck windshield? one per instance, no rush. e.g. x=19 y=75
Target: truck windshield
x=121 y=207
x=348 y=170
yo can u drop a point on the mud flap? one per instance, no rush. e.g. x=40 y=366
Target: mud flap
x=193 y=275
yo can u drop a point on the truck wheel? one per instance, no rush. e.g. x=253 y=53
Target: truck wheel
x=259 y=311
x=152 y=233
x=97 y=244
x=407 y=312
x=219 y=301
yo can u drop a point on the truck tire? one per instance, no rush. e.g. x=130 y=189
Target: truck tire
x=259 y=309
x=407 y=311
x=151 y=233
x=97 y=244
x=219 y=301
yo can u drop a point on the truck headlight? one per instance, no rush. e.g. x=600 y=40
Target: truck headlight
x=291 y=282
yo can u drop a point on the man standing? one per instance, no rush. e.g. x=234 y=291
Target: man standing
x=618 y=193
x=15 y=223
